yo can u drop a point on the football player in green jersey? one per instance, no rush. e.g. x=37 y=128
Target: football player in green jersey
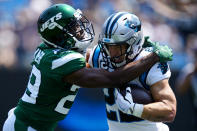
x=58 y=64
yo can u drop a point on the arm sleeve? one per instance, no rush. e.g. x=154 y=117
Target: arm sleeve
x=158 y=72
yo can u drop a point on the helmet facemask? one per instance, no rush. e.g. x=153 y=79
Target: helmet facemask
x=133 y=48
x=114 y=53
x=80 y=27
x=81 y=30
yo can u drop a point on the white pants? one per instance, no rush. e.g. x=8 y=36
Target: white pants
x=137 y=126
x=9 y=124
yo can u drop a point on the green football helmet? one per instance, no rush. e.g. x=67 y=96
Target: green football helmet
x=61 y=26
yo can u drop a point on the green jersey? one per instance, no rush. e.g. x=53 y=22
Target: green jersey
x=48 y=98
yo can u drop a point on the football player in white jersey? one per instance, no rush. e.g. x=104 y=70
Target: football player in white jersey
x=119 y=43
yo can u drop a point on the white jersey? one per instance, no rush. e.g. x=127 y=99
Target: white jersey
x=117 y=120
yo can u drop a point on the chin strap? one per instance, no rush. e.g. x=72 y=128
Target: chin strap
x=79 y=46
x=50 y=43
x=119 y=64
x=82 y=46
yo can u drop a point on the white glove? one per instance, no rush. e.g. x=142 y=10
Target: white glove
x=125 y=103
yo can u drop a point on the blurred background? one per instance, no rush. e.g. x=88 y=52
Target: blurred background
x=171 y=22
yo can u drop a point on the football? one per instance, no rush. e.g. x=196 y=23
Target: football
x=140 y=95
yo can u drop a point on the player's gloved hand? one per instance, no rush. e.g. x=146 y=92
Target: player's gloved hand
x=124 y=99
x=149 y=43
x=163 y=52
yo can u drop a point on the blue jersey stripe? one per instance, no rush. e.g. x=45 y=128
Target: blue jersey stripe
x=142 y=80
x=96 y=57
x=113 y=23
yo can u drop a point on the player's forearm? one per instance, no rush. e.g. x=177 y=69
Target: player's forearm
x=134 y=69
x=159 y=112
x=103 y=79
x=98 y=78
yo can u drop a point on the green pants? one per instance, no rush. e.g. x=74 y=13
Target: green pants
x=14 y=123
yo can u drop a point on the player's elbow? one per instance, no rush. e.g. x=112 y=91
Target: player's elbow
x=171 y=113
x=171 y=117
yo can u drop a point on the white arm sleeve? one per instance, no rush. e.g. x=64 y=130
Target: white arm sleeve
x=158 y=72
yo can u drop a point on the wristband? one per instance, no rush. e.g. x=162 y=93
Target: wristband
x=137 y=110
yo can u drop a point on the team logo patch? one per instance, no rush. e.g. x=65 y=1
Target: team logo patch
x=130 y=25
x=163 y=67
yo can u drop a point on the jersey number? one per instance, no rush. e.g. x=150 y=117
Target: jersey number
x=33 y=89
x=33 y=86
x=60 y=106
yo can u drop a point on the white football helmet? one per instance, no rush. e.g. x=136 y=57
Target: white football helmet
x=121 y=28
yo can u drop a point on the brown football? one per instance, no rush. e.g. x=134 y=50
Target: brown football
x=140 y=95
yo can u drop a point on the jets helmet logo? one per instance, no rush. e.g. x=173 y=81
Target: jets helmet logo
x=51 y=24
